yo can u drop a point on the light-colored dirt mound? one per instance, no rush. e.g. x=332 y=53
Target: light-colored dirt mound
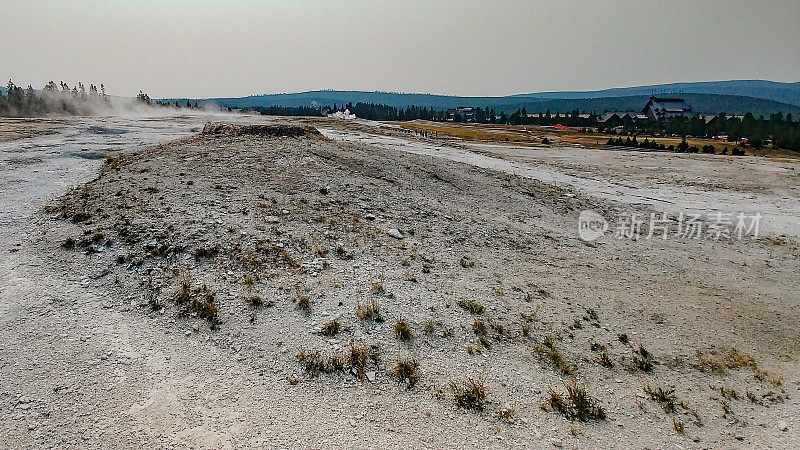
x=390 y=279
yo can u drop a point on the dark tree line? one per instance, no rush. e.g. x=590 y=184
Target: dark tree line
x=683 y=147
x=54 y=98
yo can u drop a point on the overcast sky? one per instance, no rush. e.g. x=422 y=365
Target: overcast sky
x=234 y=48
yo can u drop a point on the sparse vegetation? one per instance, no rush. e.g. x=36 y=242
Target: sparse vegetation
x=664 y=397
x=377 y=289
x=577 y=404
x=68 y=243
x=548 y=351
x=507 y=414
x=643 y=360
x=303 y=302
x=255 y=300
x=331 y=328
x=356 y=360
x=472 y=307
x=467 y=263
x=479 y=327
x=678 y=426
x=405 y=370
x=402 y=330
x=369 y=310
x=469 y=393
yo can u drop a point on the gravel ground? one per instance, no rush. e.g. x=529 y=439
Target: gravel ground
x=103 y=347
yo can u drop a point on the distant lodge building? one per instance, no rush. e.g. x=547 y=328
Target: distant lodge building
x=466 y=113
x=656 y=109
x=666 y=108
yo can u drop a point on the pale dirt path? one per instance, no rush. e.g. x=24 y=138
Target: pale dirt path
x=781 y=212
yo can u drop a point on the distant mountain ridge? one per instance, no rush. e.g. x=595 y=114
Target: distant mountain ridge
x=769 y=90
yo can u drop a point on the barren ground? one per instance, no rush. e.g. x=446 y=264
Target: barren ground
x=103 y=346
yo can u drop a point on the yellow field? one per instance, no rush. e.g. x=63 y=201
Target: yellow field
x=533 y=135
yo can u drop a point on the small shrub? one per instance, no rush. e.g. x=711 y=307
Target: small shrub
x=507 y=414
x=402 y=330
x=405 y=370
x=255 y=301
x=331 y=328
x=359 y=357
x=664 y=397
x=643 y=360
x=471 y=306
x=369 y=310
x=623 y=338
x=69 y=243
x=577 y=404
x=678 y=426
x=377 y=289
x=479 y=327
x=466 y=262
x=303 y=302
x=469 y=393
x=429 y=326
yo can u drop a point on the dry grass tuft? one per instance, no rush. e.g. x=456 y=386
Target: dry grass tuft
x=402 y=330
x=405 y=370
x=369 y=310
x=471 y=306
x=469 y=393
x=577 y=404
x=331 y=328
x=664 y=397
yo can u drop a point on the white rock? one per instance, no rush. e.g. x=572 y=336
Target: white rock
x=371 y=376
x=395 y=233
x=782 y=425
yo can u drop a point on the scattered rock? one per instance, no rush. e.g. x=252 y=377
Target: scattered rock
x=395 y=233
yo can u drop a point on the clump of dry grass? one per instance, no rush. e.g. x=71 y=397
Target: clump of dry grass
x=576 y=404
x=471 y=306
x=733 y=360
x=548 y=351
x=355 y=360
x=402 y=330
x=331 y=328
x=507 y=414
x=405 y=370
x=664 y=397
x=68 y=243
x=358 y=358
x=255 y=300
x=479 y=327
x=369 y=310
x=469 y=393
x=643 y=360
x=303 y=302
x=377 y=289
x=678 y=426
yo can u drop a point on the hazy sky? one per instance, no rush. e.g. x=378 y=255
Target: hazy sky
x=207 y=48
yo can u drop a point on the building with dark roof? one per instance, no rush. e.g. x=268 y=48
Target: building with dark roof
x=659 y=108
